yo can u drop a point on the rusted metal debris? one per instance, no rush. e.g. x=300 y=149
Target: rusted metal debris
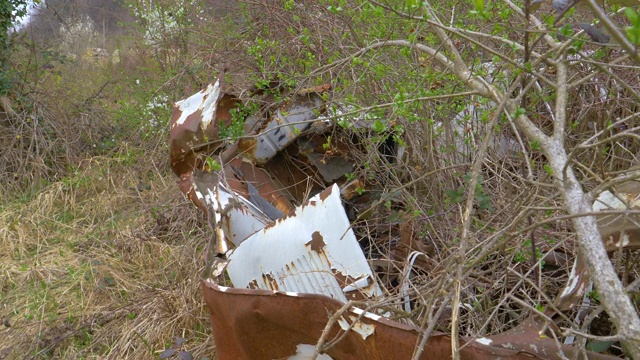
x=263 y=324
x=292 y=258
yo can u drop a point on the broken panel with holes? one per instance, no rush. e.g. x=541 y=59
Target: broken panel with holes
x=283 y=264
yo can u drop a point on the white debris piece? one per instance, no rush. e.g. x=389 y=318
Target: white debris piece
x=305 y=252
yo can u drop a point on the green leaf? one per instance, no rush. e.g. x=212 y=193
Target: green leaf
x=519 y=111
x=535 y=145
x=212 y=165
x=378 y=126
x=599 y=346
x=411 y=4
x=633 y=31
x=631 y=14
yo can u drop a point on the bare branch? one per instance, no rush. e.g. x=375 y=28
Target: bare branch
x=561 y=102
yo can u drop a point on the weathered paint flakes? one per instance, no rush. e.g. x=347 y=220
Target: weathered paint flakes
x=363 y=329
x=308 y=352
x=209 y=105
x=484 y=341
x=572 y=282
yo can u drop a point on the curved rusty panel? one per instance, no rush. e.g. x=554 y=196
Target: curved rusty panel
x=528 y=336
x=195 y=125
x=262 y=324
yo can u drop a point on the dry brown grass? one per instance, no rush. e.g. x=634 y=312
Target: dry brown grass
x=93 y=268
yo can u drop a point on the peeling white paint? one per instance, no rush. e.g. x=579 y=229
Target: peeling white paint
x=368 y=315
x=238 y=217
x=484 y=341
x=196 y=190
x=210 y=105
x=210 y=197
x=193 y=103
x=572 y=282
x=363 y=329
x=307 y=352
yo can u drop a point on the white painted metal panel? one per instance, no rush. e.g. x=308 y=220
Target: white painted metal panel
x=306 y=252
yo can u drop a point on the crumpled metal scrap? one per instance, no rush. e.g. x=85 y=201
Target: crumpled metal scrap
x=281 y=235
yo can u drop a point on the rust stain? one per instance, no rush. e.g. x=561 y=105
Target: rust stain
x=353 y=189
x=247 y=145
x=253 y=284
x=316 y=243
x=316 y=89
x=325 y=194
x=270 y=281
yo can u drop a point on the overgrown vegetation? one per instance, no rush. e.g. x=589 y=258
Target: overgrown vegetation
x=101 y=255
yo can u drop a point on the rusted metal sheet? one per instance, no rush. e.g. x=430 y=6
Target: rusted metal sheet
x=313 y=250
x=332 y=164
x=195 y=126
x=240 y=175
x=263 y=324
x=530 y=337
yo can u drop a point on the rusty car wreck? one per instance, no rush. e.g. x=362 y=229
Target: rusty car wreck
x=285 y=276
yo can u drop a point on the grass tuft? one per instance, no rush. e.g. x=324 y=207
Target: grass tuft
x=102 y=264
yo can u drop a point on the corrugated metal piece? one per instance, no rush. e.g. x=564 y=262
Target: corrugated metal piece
x=312 y=250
